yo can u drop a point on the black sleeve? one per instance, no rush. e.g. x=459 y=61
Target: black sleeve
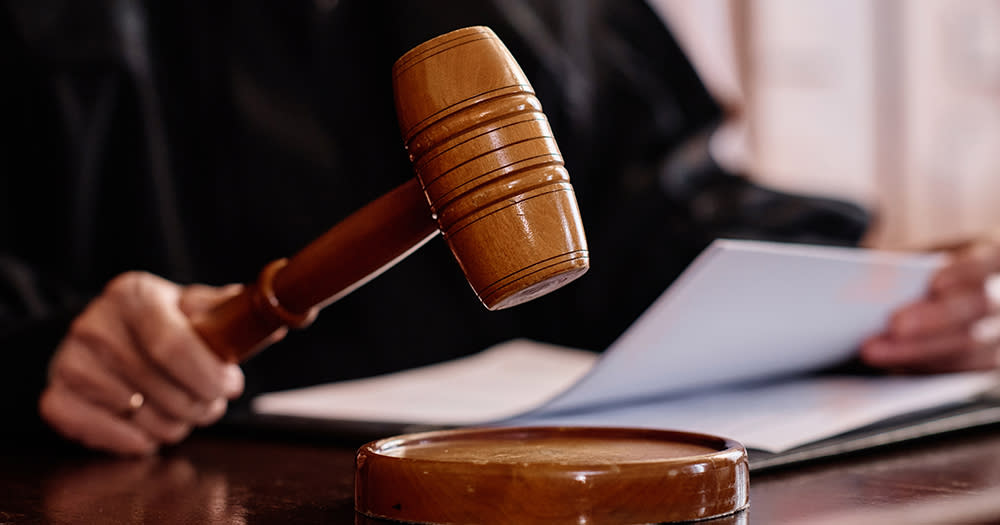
x=726 y=205
x=35 y=307
x=25 y=350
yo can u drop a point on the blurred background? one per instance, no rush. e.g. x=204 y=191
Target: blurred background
x=892 y=103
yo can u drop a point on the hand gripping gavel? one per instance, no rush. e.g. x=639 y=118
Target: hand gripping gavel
x=485 y=162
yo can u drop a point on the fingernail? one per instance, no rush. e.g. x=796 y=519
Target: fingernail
x=232 y=381
x=215 y=411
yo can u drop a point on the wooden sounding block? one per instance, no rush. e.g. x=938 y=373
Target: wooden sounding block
x=552 y=476
x=489 y=177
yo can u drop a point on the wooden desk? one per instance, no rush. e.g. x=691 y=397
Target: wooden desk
x=219 y=479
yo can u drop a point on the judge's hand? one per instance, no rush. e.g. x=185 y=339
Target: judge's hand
x=951 y=328
x=132 y=375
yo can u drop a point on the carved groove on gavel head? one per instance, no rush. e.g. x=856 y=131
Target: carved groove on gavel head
x=490 y=167
x=487 y=166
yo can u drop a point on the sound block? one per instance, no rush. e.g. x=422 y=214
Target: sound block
x=551 y=475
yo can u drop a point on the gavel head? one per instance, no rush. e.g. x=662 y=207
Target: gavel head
x=489 y=166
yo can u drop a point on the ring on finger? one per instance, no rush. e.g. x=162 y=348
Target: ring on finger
x=135 y=402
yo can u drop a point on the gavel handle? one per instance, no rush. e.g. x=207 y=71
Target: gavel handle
x=290 y=292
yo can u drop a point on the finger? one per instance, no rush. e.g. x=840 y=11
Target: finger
x=885 y=352
x=175 y=349
x=969 y=269
x=215 y=412
x=946 y=313
x=81 y=373
x=234 y=381
x=91 y=425
x=158 y=426
x=163 y=332
x=198 y=298
x=103 y=335
x=163 y=394
x=985 y=358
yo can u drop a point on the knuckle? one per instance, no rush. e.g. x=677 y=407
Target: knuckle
x=104 y=346
x=80 y=325
x=90 y=334
x=88 y=329
x=126 y=284
x=165 y=349
x=72 y=372
x=132 y=287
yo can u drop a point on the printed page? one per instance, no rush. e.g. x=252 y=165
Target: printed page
x=780 y=416
x=747 y=310
x=499 y=382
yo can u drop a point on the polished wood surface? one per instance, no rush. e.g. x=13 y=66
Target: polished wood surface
x=215 y=478
x=513 y=475
x=489 y=169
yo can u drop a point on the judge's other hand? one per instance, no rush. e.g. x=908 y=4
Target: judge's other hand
x=954 y=327
x=132 y=374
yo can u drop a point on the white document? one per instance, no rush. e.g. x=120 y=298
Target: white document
x=779 y=416
x=723 y=351
x=748 y=310
x=500 y=382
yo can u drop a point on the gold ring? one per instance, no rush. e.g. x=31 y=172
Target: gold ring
x=135 y=402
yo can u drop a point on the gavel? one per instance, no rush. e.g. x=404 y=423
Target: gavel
x=489 y=177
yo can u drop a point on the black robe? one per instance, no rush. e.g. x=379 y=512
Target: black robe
x=201 y=140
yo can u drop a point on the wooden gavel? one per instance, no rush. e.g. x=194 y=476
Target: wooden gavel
x=487 y=164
